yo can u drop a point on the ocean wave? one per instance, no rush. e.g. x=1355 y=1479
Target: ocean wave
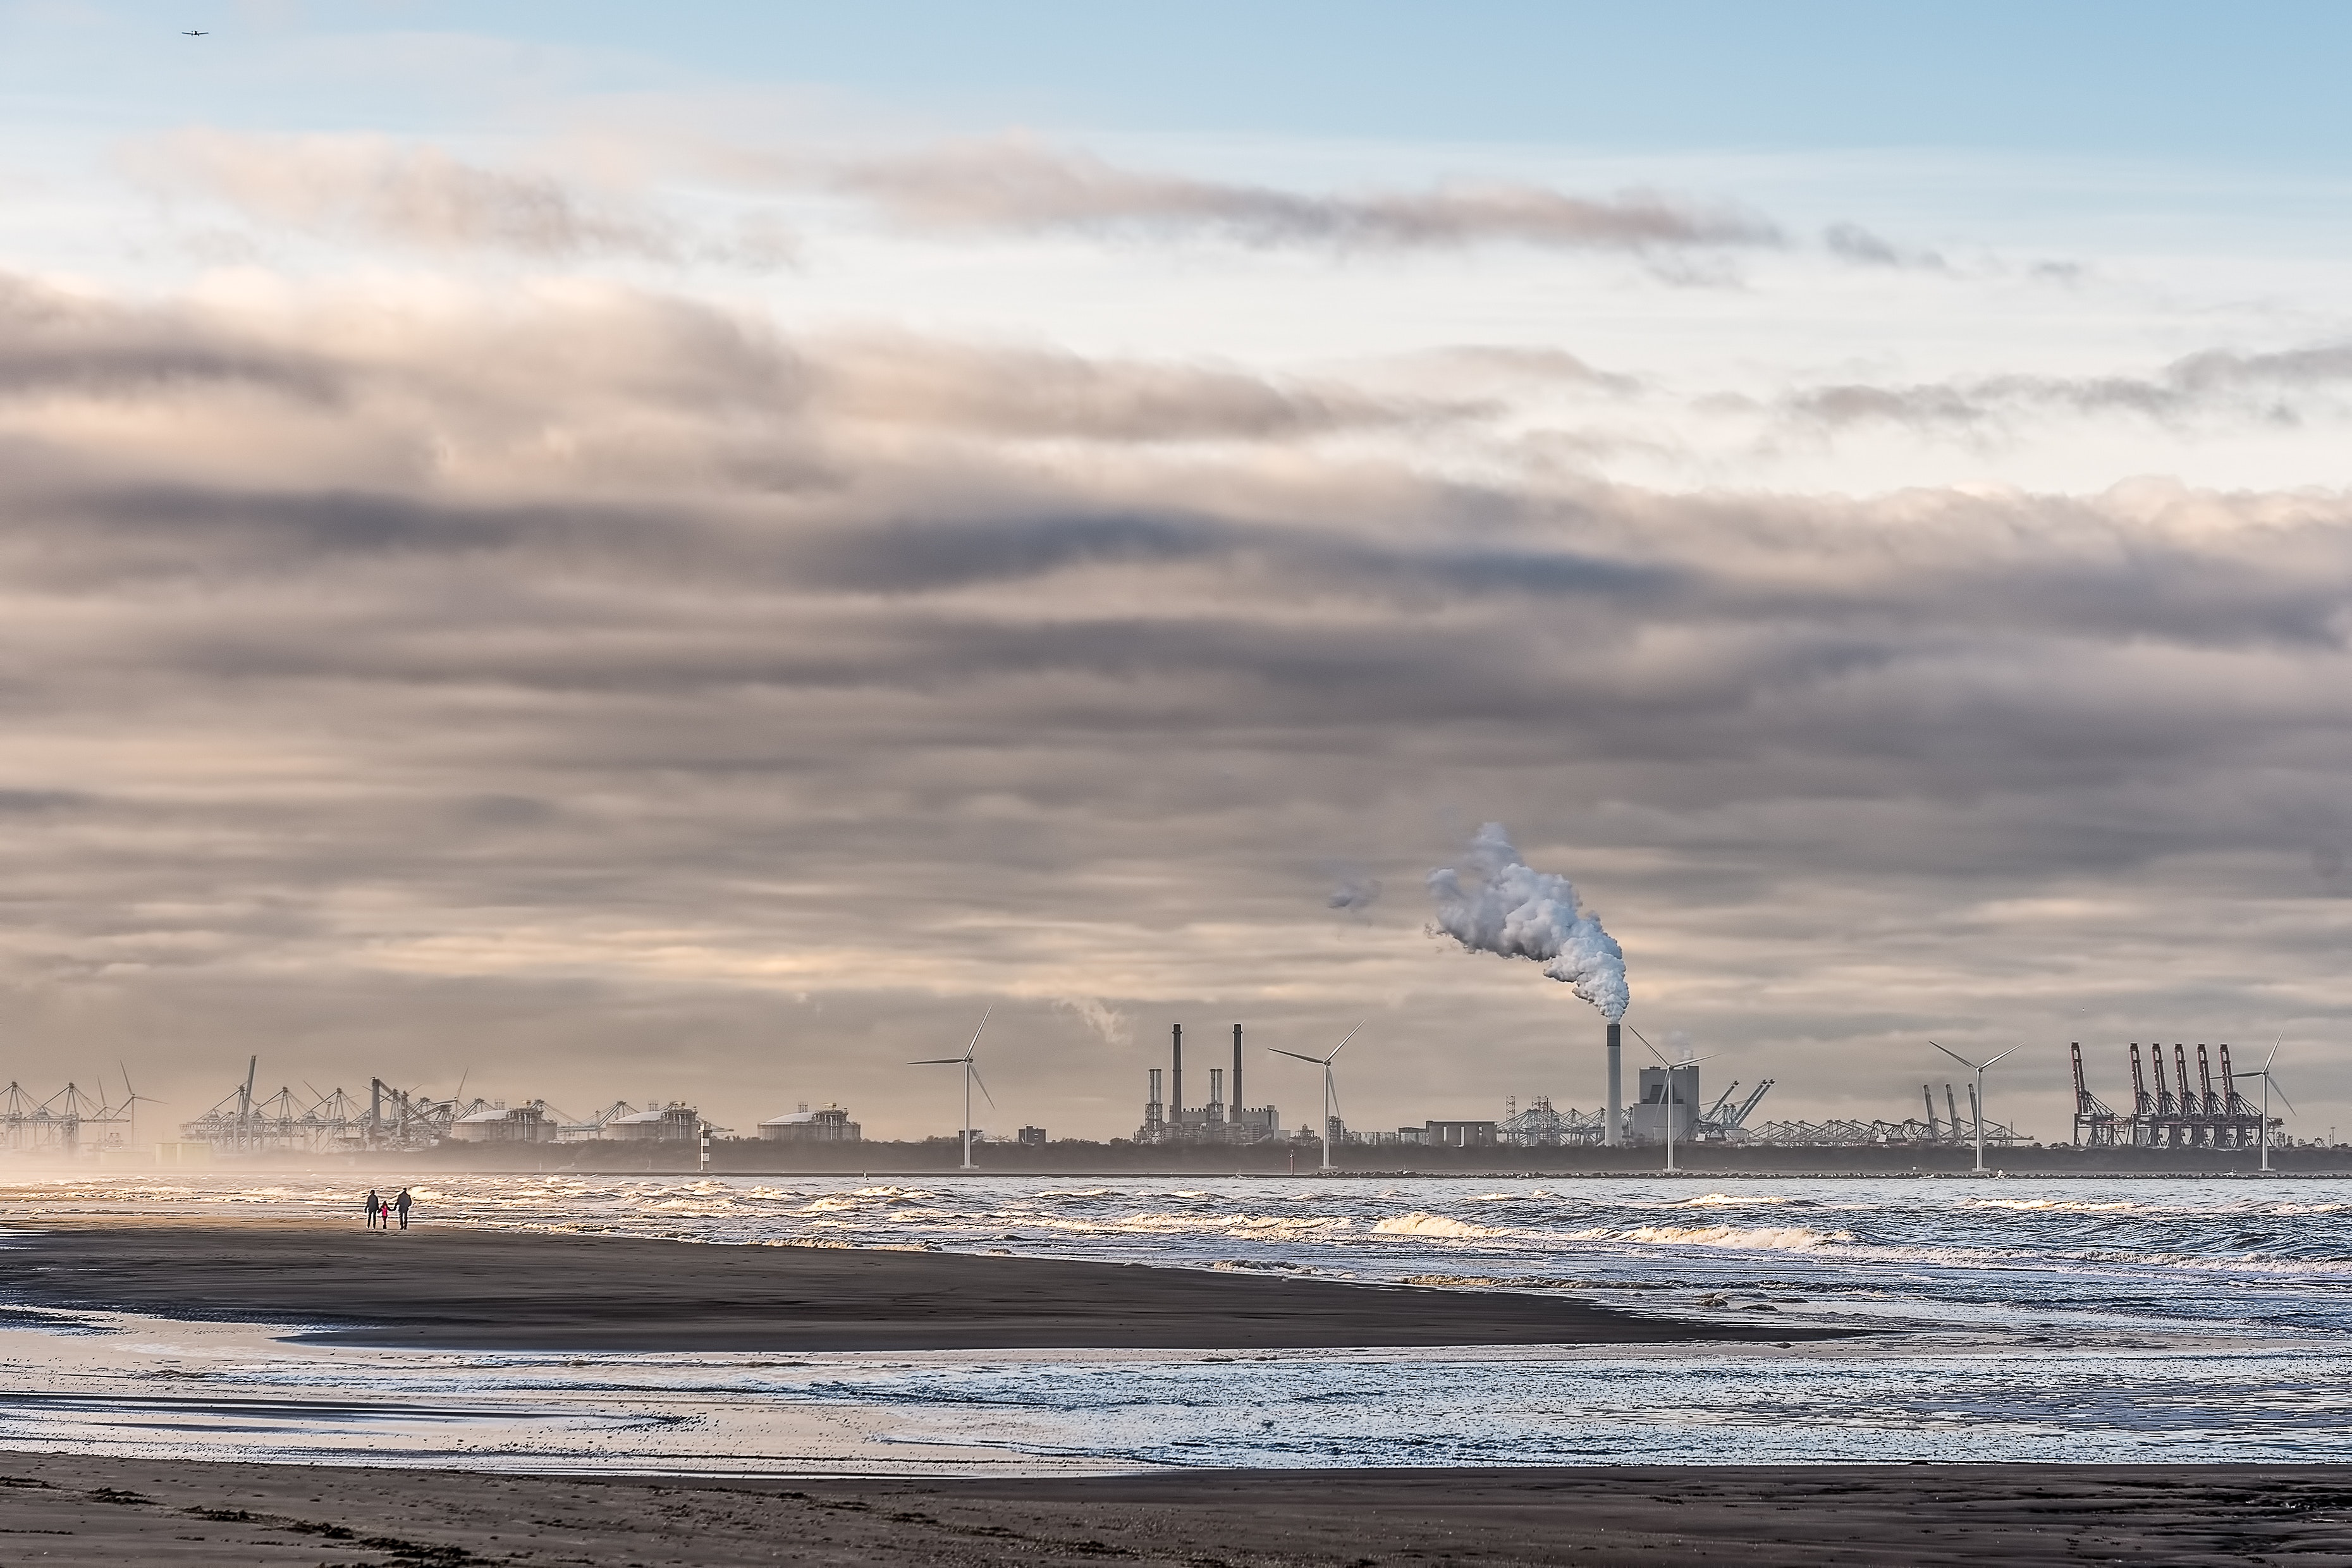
x=1733 y=1200
x=1767 y=1238
x=1434 y=1225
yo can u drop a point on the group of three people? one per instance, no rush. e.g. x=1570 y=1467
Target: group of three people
x=380 y=1213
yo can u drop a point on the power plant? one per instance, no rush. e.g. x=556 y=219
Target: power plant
x=1664 y=1093
x=1215 y=1120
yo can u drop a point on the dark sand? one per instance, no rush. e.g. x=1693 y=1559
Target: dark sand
x=81 y=1512
x=483 y=1290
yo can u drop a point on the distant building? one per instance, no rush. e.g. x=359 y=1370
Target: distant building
x=671 y=1123
x=523 y=1124
x=1666 y=1093
x=831 y=1125
x=1459 y=1134
x=1033 y=1137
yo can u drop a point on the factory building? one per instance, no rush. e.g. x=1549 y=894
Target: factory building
x=1428 y=1135
x=1214 y=1122
x=676 y=1123
x=831 y=1125
x=497 y=1124
x=1668 y=1097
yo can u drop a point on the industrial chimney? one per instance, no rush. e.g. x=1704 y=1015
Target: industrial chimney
x=1237 y=1067
x=1610 y=1134
x=1176 y=1083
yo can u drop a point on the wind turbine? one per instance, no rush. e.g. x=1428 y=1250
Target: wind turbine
x=1670 y=1067
x=2263 y=1073
x=132 y=1102
x=1331 y=1088
x=1977 y=1068
x=970 y=1076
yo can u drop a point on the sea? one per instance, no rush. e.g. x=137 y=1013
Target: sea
x=2019 y=1319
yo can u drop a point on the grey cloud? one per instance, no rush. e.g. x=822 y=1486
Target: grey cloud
x=1010 y=391
x=1531 y=367
x=2212 y=380
x=699 y=670
x=1852 y=242
x=1023 y=187
x=377 y=189
x=51 y=343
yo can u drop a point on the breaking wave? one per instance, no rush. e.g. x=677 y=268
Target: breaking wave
x=1768 y=1239
x=1434 y=1225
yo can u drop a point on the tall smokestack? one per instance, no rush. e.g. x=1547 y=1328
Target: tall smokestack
x=1616 y=1085
x=1176 y=1081
x=1237 y=1067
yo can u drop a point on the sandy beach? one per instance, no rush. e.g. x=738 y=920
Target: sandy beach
x=71 y=1512
x=484 y=1289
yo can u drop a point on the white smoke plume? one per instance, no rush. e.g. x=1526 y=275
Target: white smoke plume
x=1500 y=904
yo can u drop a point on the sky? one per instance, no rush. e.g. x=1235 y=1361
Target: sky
x=686 y=554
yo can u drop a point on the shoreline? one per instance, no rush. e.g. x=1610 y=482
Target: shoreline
x=467 y=1289
x=76 y=1511
x=340 y=1163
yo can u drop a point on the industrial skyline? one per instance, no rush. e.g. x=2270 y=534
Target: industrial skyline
x=2160 y=1112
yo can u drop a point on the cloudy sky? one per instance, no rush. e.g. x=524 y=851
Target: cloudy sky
x=685 y=552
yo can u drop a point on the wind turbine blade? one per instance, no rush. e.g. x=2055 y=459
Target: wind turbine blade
x=2282 y=1095
x=1343 y=1042
x=983 y=1088
x=940 y=1062
x=2011 y=1052
x=1956 y=1056
x=976 y=1033
x=2265 y=1067
x=1294 y=1056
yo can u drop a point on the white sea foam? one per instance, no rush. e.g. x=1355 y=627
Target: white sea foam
x=1770 y=1238
x=1433 y=1225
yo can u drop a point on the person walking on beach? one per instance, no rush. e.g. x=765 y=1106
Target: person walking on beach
x=372 y=1200
x=401 y=1204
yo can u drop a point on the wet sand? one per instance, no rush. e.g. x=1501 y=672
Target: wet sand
x=73 y=1511
x=481 y=1289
